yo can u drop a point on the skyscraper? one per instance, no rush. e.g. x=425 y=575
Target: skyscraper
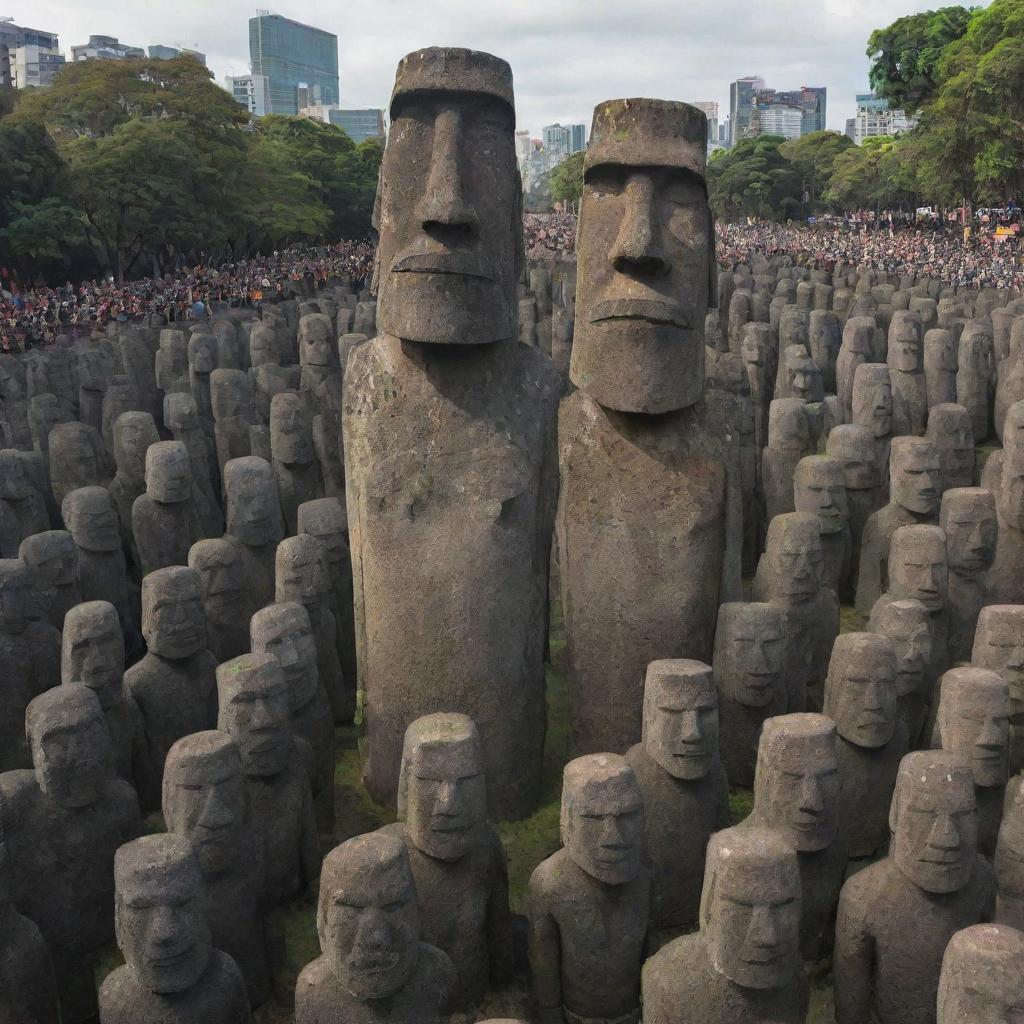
x=811 y=100
x=557 y=139
x=741 y=106
x=578 y=142
x=294 y=57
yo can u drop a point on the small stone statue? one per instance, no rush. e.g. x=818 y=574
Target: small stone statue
x=1004 y=477
x=52 y=559
x=22 y=504
x=295 y=464
x=222 y=586
x=940 y=366
x=750 y=654
x=589 y=903
x=884 y=970
x=999 y=647
x=854 y=447
x=202 y=361
x=685 y=790
x=134 y=432
x=77 y=459
x=861 y=698
x=373 y=968
x=1009 y=858
x=982 y=975
x=205 y=800
x=171 y=972
x=231 y=396
x=171 y=362
x=789 y=441
x=975 y=376
x=744 y=963
x=164 y=518
x=906 y=372
x=856 y=349
x=182 y=419
x=872 y=409
x=819 y=487
x=949 y=429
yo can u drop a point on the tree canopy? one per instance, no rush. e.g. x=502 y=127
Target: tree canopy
x=567 y=179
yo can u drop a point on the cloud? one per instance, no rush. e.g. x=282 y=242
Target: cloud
x=567 y=55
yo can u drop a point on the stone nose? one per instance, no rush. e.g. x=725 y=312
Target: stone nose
x=636 y=250
x=443 y=209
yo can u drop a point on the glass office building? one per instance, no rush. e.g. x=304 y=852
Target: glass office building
x=294 y=57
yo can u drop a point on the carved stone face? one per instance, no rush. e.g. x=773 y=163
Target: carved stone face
x=367 y=917
x=44 y=413
x=168 y=472
x=750 y=908
x=73 y=453
x=230 y=395
x=854 y=447
x=749 y=652
x=819 y=487
x=70 y=745
x=934 y=821
x=915 y=475
x=92 y=650
x=14 y=482
x=316 y=348
x=974 y=722
x=645 y=252
x=324 y=518
x=949 y=429
x=905 y=349
x=981 y=978
x=858 y=335
x=860 y=694
x=680 y=720
x=940 y=351
x=301 y=572
x=180 y=413
x=796 y=784
x=159 y=913
x=91 y=370
x=91 y=518
x=171 y=359
x=204 y=798
x=291 y=429
x=789 y=429
x=442 y=789
x=17 y=597
x=793 y=558
x=263 y=346
x=284 y=630
x=872 y=399
x=173 y=621
x=917 y=565
x=202 y=357
x=253 y=507
x=1011 y=497
x=602 y=819
x=255 y=713
x=134 y=432
x=999 y=647
x=807 y=385
x=968 y=518
x=905 y=623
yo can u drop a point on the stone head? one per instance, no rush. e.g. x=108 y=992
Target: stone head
x=202 y=353
x=858 y=335
x=750 y=645
x=854 y=447
x=253 y=507
x=602 y=817
x=755 y=344
x=819 y=487
x=450 y=236
x=442 y=788
x=180 y=412
x=794 y=329
x=284 y=630
x=796 y=782
x=917 y=565
x=1009 y=853
x=173 y=620
x=325 y=519
x=999 y=646
x=17 y=597
x=230 y=395
x=254 y=711
x=967 y=516
x=171 y=358
x=159 y=913
x=872 y=398
x=15 y=484
x=905 y=347
x=806 y=380
x=981 y=976
x=750 y=907
x=1011 y=492
x=90 y=516
x=75 y=452
x=367 y=917
x=221 y=575
x=316 y=344
x=860 y=692
x=12 y=379
x=934 y=821
x=263 y=346
x=168 y=472
x=905 y=622
x=204 y=798
x=92 y=369
x=940 y=350
x=291 y=428
x=680 y=717
x=975 y=349
x=646 y=257
x=974 y=721
x=789 y=429
x=791 y=569
x=44 y=413
x=950 y=430
x=301 y=572
x=915 y=475
x=92 y=649
x=70 y=745
x=52 y=558
x=134 y=432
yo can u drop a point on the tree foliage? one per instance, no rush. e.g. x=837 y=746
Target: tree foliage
x=567 y=179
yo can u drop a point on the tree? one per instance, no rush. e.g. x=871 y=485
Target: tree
x=813 y=157
x=754 y=180
x=567 y=179
x=871 y=176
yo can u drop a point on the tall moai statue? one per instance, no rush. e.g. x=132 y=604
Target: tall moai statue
x=449 y=428
x=872 y=409
x=52 y=559
x=164 y=520
x=1004 y=477
x=982 y=975
x=650 y=486
x=222 y=586
x=1009 y=858
x=999 y=647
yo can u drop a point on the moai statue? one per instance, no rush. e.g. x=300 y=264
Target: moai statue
x=52 y=559
x=457 y=860
x=641 y=435
x=449 y=428
x=856 y=349
x=254 y=710
x=968 y=519
x=231 y=396
x=949 y=429
x=685 y=790
x=134 y=432
x=295 y=464
x=824 y=336
x=231 y=342
x=44 y=413
x=77 y=459
x=23 y=509
x=321 y=386
x=975 y=375
x=790 y=576
x=906 y=373
x=92 y=655
x=222 y=588
x=796 y=795
x=62 y=823
x=14 y=428
x=94 y=373
x=373 y=968
x=999 y=647
x=819 y=487
x=284 y=630
x=739 y=316
x=164 y=519
x=29 y=660
x=302 y=576
x=791 y=358
x=182 y=420
x=1009 y=858
x=940 y=366
x=750 y=655
x=854 y=447
x=789 y=440
x=744 y=964
x=914 y=498
x=589 y=903
x=973 y=721
x=982 y=975
x=884 y=970
x=172 y=363
x=202 y=361
x=174 y=686
x=872 y=409
x=1004 y=477
x=253 y=522
x=861 y=698
x=755 y=352
x=325 y=519
x=171 y=972
x=205 y=800
x=118 y=399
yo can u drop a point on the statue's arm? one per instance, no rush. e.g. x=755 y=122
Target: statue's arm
x=499 y=920
x=545 y=954
x=854 y=960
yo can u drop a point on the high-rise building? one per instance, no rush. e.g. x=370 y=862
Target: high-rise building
x=710 y=108
x=12 y=36
x=358 y=125
x=251 y=91
x=578 y=139
x=32 y=67
x=106 y=48
x=851 y=128
x=775 y=118
x=523 y=147
x=170 y=52
x=811 y=101
x=741 y=106
x=294 y=57
x=874 y=118
x=557 y=139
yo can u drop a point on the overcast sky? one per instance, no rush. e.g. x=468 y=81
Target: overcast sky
x=567 y=55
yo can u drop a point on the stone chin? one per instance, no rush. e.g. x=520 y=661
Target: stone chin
x=617 y=872
x=687 y=767
x=449 y=846
x=382 y=981
x=177 y=974
x=756 y=975
x=812 y=839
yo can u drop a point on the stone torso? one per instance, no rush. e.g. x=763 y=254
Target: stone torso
x=29 y=664
x=1006 y=577
x=163 y=532
x=965 y=597
x=740 y=731
x=103 y=576
x=28 y=990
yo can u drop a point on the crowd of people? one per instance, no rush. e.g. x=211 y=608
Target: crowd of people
x=548 y=236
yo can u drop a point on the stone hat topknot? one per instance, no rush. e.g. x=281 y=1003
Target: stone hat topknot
x=649 y=133
x=453 y=69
